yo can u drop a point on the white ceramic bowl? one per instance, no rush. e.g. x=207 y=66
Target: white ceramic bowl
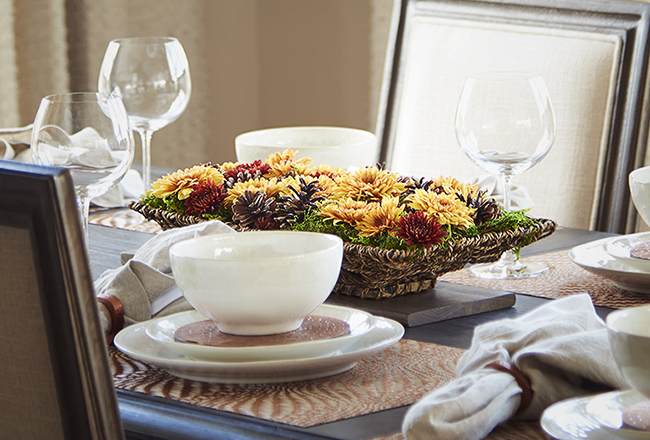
x=639 y=181
x=629 y=336
x=258 y=282
x=335 y=146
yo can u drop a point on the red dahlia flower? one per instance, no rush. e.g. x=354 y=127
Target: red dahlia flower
x=417 y=228
x=205 y=198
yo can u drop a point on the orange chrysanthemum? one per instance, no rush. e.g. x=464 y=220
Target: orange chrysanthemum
x=447 y=209
x=181 y=182
x=271 y=187
x=345 y=210
x=450 y=185
x=285 y=163
x=369 y=184
x=380 y=217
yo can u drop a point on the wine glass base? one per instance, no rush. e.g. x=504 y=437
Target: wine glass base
x=500 y=271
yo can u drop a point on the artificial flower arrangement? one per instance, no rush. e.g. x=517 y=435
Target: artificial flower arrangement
x=369 y=208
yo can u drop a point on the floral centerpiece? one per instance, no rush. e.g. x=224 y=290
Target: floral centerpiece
x=400 y=232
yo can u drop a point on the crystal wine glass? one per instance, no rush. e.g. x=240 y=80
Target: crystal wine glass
x=505 y=123
x=152 y=76
x=89 y=134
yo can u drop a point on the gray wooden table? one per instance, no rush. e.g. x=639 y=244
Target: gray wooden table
x=147 y=417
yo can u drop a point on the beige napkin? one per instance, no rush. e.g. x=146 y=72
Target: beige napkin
x=144 y=283
x=561 y=346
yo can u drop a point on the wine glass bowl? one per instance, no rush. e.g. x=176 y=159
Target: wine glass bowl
x=505 y=124
x=87 y=133
x=152 y=76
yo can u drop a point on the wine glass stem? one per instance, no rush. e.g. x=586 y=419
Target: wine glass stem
x=84 y=206
x=507 y=183
x=145 y=135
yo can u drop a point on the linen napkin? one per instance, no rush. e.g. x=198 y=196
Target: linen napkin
x=144 y=283
x=493 y=186
x=562 y=348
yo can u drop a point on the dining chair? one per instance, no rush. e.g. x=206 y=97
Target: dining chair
x=55 y=379
x=593 y=56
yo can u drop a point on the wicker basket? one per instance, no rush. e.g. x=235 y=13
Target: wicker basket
x=374 y=273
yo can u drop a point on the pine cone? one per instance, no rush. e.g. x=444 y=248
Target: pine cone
x=412 y=184
x=486 y=207
x=253 y=209
x=294 y=206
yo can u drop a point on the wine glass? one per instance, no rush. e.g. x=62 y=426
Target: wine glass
x=505 y=123
x=89 y=134
x=152 y=76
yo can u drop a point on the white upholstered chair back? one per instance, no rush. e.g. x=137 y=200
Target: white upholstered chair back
x=593 y=57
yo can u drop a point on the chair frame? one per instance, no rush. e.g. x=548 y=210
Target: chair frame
x=42 y=200
x=629 y=126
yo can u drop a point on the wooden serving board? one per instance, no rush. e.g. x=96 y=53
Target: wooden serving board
x=446 y=301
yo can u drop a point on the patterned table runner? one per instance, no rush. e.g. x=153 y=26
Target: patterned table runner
x=563 y=279
x=399 y=376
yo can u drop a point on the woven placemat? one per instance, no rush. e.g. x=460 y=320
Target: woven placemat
x=398 y=376
x=563 y=279
x=109 y=218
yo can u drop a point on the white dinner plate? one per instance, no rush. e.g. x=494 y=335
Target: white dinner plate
x=569 y=420
x=620 y=248
x=163 y=329
x=134 y=341
x=608 y=410
x=593 y=257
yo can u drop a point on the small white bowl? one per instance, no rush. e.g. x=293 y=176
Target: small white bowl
x=629 y=337
x=639 y=181
x=335 y=146
x=257 y=282
x=621 y=248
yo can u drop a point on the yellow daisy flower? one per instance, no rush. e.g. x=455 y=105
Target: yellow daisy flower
x=180 y=182
x=380 y=217
x=445 y=208
x=369 y=183
x=286 y=163
x=227 y=166
x=451 y=185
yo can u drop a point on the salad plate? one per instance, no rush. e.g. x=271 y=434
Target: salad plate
x=623 y=249
x=569 y=420
x=594 y=258
x=135 y=342
x=164 y=331
x=608 y=409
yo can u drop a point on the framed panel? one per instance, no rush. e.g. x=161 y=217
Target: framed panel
x=593 y=55
x=55 y=380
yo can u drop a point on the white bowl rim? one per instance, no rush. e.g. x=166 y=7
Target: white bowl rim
x=242 y=139
x=336 y=242
x=619 y=314
x=636 y=174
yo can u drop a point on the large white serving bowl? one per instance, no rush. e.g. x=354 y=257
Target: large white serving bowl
x=639 y=181
x=334 y=146
x=629 y=336
x=258 y=282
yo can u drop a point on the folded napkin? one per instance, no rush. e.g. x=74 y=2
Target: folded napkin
x=493 y=186
x=561 y=347
x=144 y=283
x=14 y=143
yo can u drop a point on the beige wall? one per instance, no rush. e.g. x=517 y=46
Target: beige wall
x=254 y=64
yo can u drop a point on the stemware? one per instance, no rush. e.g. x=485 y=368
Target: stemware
x=152 y=76
x=89 y=134
x=505 y=123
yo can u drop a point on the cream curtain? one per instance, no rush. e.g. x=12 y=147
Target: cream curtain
x=254 y=63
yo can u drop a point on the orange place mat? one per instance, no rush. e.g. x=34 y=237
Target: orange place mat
x=398 y=376
x=563 y=279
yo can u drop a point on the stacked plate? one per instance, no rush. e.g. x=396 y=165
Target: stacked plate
x=155 y=342
x=620 y=259
x=595 y=417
